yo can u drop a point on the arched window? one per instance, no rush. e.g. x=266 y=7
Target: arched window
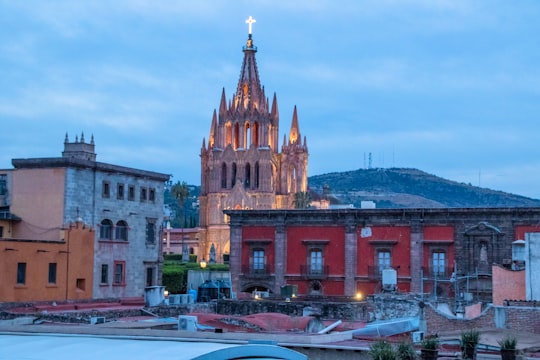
x=233 y=175
x=228 y=134
x=292 y=180
x=257 y=175
x=121 y=230
x=236 y=136
x=255 y=134
x=223 y=176
x=247 y=136
x=247 y=178
x=105 y=231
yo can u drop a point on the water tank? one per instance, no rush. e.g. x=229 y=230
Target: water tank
x=208 y=291
x=389 y=279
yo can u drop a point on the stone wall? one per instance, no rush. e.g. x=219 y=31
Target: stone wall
x=507 y=317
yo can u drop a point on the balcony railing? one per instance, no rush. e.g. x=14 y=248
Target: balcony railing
x=438 y=273
x=314 y=272
x=375 y=272
x=256 y=271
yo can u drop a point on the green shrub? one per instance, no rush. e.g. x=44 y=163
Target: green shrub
x=509 y=342
x=405 y=351
x=430 y=343
x=470 y=337
x=382 y=350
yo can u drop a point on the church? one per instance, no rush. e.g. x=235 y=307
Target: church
x=242 y=164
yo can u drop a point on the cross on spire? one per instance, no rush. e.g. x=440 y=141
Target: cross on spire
x=250 y=21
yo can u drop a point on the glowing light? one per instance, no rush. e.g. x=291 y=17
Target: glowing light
x=250 y=21
x=358 y=296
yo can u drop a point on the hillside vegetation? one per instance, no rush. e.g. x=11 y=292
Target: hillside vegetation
x=409 y=188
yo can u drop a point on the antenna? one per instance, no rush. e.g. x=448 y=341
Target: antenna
x=369 y=166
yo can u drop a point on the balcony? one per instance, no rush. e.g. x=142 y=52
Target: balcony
x=314 y=272
x=438 y=273
x=260 y=271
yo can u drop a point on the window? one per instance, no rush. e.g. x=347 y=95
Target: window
x=384 y=260
x=223 y=176
x=131 y=192
x=233 y=175
x=119 y=275
x=105 y=230
x=3 y=184
x=21 y=273
x=121 y=230
x=150 y=231
x=438 y=263
x=1 y=231
x=106 y=189
x=257 y=175
x=80 y=284
x=152 y=195
x=52 y=273
x=247 y=178
x=258 y=260
x=120 y=191
x=143 y=194
x=104 y=273
x=316 y=261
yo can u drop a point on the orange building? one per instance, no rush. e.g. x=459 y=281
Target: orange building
x=47 y=270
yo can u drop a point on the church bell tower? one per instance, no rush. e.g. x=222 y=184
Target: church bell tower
x=242 y=166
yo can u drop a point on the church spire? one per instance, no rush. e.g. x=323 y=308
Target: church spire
x=249 y=92
x=222 y=105
x=294 y=135
x=213 y=127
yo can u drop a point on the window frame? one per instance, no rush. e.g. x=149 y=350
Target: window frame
x=106 y=189
x=104 y=275
x=119 y=277
x=120 y=189
x=151 y=232
x=106 y=227
x=21 y=273
x=131 y=193
x=121 y=231
x=53 y=268
x=143 y=194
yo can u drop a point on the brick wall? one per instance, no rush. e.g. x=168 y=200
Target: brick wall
x=508 y=317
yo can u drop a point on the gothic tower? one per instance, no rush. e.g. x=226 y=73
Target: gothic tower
x=241 y=165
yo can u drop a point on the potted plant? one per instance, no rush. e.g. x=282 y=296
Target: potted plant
x=429 y=348
x=382 y=350
x=508 y=346
x=469 y=340
x=405 y=351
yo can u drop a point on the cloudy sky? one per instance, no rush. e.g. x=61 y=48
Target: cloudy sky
x=449 y=87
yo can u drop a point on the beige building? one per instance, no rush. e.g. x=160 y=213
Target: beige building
x=243 y=166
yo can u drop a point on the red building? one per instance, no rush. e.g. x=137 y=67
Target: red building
x=343 y=252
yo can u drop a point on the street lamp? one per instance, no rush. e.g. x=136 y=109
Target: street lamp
x=202 y=264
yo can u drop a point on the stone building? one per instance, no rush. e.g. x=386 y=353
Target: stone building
x=438 y=252
x=123 y=205
x=242 y=165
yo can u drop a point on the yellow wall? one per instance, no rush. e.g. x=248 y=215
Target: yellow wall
x=74 y=259
x=32 y=191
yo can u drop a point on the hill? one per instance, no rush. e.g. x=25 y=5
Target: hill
x=409 y=188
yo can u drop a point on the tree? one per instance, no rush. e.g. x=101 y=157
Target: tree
x=302 y=200
x=180 y=191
